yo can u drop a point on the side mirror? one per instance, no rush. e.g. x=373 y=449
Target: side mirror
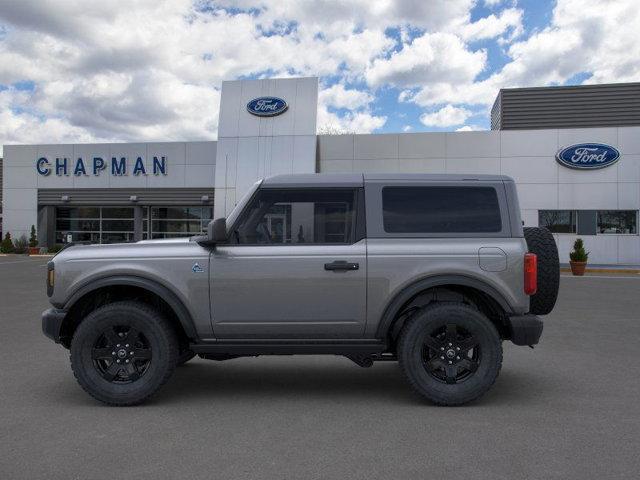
x=217 y=230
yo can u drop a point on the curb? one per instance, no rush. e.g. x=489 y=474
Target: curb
x=627 y=271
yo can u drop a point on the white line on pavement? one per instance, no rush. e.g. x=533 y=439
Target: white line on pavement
x=602 y=276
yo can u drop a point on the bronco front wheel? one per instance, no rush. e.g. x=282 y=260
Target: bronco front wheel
x=450 y=353
x=123 y=352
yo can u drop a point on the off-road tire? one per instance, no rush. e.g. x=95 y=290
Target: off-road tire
x=412 y=360
x=541 y=242
x=153 y=327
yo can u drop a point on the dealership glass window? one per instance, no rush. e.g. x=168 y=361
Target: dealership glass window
x=277 y=217
x=440 y=210
x=94 y=224
x=618 y=221
x=172 y=222
x=558 y=221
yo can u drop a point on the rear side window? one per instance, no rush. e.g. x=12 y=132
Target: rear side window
x=440 y=210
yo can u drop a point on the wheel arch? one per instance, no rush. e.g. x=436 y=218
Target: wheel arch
x=459 y=284
x=98 y=292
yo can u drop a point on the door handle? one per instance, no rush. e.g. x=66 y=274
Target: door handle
x=340 y=265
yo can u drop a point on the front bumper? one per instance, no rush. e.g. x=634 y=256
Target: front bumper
x=52 y=320
x=525 y=329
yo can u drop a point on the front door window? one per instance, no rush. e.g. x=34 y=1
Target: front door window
x=310 y=216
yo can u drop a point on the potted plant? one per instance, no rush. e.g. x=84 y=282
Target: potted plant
x=33 y=242
x=7 y=244
x=578 y=258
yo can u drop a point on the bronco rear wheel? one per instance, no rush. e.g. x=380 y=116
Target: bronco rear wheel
x=122 y=353
x=450 y=353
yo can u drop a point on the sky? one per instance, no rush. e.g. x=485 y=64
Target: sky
x=75 y=71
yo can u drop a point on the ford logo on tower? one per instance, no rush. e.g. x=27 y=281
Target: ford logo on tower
x=588 y=156
x=267 y=106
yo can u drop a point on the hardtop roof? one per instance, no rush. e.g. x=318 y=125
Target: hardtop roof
x=359 y=179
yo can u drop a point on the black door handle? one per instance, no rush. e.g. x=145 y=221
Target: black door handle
x=341 y=265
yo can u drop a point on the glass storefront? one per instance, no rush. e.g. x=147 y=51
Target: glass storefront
x=117 y=224
x=94 y=224
x=172 y=222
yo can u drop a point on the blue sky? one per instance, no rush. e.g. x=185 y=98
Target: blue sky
x=77 y=71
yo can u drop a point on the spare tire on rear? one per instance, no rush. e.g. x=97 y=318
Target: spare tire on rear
x=541 y=242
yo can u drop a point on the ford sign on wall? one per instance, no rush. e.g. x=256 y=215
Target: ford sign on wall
x=267 y=106
x=588 y=156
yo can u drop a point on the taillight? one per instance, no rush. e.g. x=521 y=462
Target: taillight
x=530 y=273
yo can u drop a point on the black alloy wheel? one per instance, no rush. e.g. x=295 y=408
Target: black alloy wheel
x=121 y=354
x=451 y=354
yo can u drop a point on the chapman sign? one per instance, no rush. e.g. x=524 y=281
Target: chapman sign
x=267 y=106
x=96 y=165
x=588 y=156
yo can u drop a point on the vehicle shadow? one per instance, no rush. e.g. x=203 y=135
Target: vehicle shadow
x=383 y=382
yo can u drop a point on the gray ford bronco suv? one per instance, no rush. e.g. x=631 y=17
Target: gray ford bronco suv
x=434 y=271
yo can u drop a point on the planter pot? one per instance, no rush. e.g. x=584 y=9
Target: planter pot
x=34 y=250
x=578 y=268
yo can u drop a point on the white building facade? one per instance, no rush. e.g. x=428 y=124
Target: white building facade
x=126 y=192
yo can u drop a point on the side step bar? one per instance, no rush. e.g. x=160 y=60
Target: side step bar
x=290 y=347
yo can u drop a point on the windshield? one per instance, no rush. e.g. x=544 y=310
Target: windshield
x=231 y=219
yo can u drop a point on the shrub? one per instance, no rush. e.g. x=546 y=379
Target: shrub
x=55 y=249
x=20 y=245
x=579 y=254
x=33 y=238
x=7 y=244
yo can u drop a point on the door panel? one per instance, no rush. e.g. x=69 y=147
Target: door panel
x=284 y=291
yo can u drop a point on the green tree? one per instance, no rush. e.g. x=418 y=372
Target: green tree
x=7 y=244
x=579 y=254
x=33 y=238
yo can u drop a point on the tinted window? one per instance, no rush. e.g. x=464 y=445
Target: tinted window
x=440 y=210
x=558 y=221
x=617 y=221
x=297 y=216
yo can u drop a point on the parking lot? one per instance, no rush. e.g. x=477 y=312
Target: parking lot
x=570 y=408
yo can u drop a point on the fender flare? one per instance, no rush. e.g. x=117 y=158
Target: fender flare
x=178 y=307
x=411 y=290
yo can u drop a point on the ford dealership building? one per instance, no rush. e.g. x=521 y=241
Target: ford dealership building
x=573 y=151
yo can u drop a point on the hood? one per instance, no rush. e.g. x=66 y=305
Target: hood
x=144 y=248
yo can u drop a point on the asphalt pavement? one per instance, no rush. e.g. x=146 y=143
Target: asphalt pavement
x=568 y=409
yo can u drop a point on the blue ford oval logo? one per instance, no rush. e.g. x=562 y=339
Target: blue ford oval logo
x=267 y=106
x=588 y=156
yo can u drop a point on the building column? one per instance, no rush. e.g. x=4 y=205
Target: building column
x=46 y=228
x=138 y=215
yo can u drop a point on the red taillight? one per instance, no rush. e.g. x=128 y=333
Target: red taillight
x=530 y=273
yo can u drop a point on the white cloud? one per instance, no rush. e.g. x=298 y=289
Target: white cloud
x=509 y=20
x=432 y=57
x=469 y=128
x=583 y=37
x=151 y=69
x=338 y=96
x=407 y=128
x=351 y=122
x=447 y=116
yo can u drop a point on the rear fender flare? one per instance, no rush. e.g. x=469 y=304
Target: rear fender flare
x=401 y=298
